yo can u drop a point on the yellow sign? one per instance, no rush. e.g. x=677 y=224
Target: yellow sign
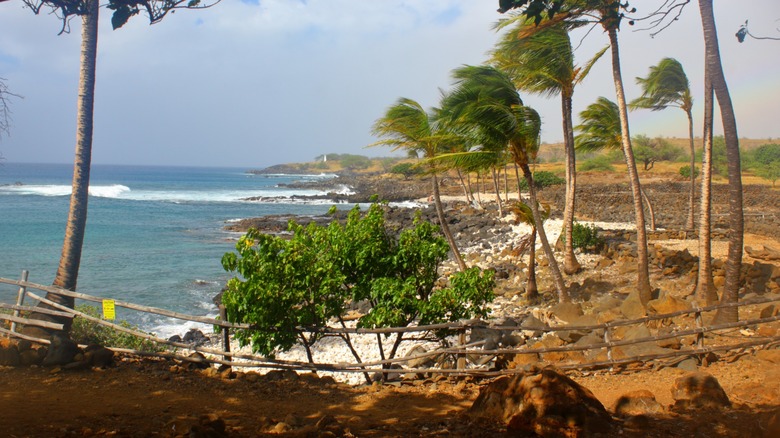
x=109 y=311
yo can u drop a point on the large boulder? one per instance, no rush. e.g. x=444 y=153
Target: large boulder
x=699 y=390
x=543 y=402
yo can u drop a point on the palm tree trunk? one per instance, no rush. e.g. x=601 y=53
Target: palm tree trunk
x=650 y=211
x=570 y=263
x=506 y=184
x=729 y=121
x=444 y=227
x=531 y=288
x=691 y=222
x=706 y=292
x=68 y=270
x=643 y=273
x=498 y=192
x=560 y=286
x=463 y=185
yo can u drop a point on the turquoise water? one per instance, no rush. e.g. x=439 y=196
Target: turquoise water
x=155 y=235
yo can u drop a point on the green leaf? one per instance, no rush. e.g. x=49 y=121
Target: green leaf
x=121 y=15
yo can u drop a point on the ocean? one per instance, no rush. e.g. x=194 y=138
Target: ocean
x=155 y=235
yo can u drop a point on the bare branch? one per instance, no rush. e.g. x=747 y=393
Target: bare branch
x=663 y=17
x=5 y=108
x=743 y=32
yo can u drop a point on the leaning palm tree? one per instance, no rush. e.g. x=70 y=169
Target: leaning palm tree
x=600 y=129
x=406 y=125
x=485 y=103
x=608 y=14
x=540 y=60
x=667 y=85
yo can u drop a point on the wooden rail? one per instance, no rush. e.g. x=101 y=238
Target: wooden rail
x=459 y=352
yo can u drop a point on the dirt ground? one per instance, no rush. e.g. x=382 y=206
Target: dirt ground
x=151 y=397
x=140 y=398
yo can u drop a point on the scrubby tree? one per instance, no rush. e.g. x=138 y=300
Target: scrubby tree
x=287 y=289
x=667 y=85
x=649 y=151
x=88 y=10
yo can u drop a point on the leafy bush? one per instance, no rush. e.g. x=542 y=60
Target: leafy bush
x=649 y=151
x=406 y=169
x=601 y=163
x=585 y=237
x=685 y=172
x=543 y=179
x=283 y=285
x=769 y=171
x=84 y=331
x=355 y=162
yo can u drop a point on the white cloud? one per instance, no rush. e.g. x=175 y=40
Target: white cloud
x=255 y=83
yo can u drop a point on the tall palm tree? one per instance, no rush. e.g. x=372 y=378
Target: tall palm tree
x=705 y=288
x=609 y=15
x=485 y=102
x=540 y=60
x=667 y=85
x=406 y=125
x=88 y=10
x=714 y=68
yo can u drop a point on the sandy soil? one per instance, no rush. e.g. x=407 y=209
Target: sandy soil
x=149 y=398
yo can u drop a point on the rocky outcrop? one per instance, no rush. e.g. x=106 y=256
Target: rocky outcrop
x=543 y=402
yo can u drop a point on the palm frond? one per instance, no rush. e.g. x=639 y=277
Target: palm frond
x=599 y=127
x=665 y=85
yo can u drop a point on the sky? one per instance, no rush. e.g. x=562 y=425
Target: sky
x=252 y=83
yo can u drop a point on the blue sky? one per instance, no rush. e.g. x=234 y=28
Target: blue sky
x=257 y=82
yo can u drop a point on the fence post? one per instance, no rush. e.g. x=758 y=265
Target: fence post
x=607 y=341
x=20 y=297
x=225 y=332
x=461 y=362
x=699 y=325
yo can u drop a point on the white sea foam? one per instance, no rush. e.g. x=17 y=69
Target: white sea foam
x=109 y=191
x=119 y=191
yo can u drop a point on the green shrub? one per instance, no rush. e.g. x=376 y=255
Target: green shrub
x=685 y=172
x=309 y=279
x=585 y=238
x=406 y=169
x=543 y=179
x=84 y=331
x=601 y=163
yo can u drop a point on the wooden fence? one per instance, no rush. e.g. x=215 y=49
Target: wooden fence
x=460 y=351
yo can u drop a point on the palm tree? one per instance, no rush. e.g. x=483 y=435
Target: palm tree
x=486 y=104
x=609 y=14
x=667 y=85
x=705 y=288
x=714 y=69
x=599 y=128
x=88 y=10
x=406 y=125
x=540 y=60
